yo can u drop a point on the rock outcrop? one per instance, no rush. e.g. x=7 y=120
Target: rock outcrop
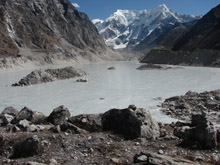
x=201 y=111
x=201 y=133
x=49 y=75
x=130 y=123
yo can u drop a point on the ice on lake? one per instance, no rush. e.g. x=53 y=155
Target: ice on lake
x=108 y=89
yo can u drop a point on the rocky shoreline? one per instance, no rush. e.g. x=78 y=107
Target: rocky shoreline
x=149 y=66
x=118 y=136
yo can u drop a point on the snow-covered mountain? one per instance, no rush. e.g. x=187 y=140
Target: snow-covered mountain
x=127 y=28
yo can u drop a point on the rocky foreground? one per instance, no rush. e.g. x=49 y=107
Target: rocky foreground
x=49 y=75
x=119 y=136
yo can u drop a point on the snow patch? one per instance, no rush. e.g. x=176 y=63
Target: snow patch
x=95 y=21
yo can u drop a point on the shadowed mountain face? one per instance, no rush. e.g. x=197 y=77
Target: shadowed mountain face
x=203 y=35
x=198 y=45
x=50 y=26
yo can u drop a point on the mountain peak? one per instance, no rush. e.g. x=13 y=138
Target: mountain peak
x=129 y=27
x=163 y=6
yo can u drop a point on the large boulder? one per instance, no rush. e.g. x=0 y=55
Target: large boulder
x=27 y=148
x=130 y=123
x=30 y=115
x=59 y=116
x=10 y=111
x=202 y=133
x=89 y=122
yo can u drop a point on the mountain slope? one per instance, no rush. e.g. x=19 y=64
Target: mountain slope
x=203 y=35
x=49 y=28
x=127 y=28
x=199 y=45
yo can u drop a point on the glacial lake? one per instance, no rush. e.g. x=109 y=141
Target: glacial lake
x=119 y=88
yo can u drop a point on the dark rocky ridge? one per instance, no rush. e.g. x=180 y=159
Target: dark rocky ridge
x=201 y=35
x=202 y=57
x=150 y=66
x=198 y=45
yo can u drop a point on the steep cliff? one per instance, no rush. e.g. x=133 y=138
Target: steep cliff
x=49 y=27
x=203 y=35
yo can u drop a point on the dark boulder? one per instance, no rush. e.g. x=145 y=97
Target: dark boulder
x=202 y=133
x=30 y=115
x=111 y=68
x=10 y=111
x=89 y=122
x=130 y=124
x=27 y=148
x=59 y=116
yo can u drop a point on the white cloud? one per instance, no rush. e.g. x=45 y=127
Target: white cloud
x=76 y=5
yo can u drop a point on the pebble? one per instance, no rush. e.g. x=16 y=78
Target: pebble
x=161 y=152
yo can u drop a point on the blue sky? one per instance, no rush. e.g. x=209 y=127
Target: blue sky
x=104 y=8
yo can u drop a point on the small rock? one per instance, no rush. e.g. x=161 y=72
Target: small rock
x=140 y=158
x=116 y=160
x=133 y=107
x=6 y=119
x=13 y=128
x=161 y=152
x=55 y=129
x=23 y=124
x=82 y=80
x=1 y=140
x=137 y=143
x=163 y=132
x=111 y=68
x=53 y=162
x=10 y=111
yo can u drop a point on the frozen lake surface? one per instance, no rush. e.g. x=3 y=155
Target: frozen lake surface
x=120 y=87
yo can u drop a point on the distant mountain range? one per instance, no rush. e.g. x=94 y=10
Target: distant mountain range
x=129 y=28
